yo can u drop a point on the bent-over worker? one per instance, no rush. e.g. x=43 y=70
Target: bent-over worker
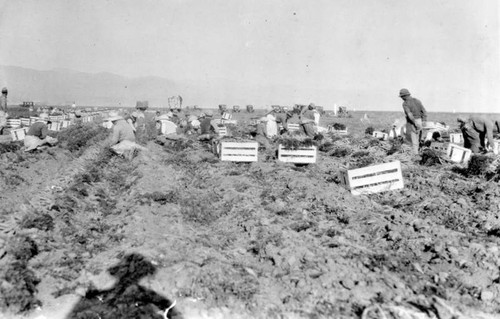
x=476 y=130
x=37 y=134
x=122 y=138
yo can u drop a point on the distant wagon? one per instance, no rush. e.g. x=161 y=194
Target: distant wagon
x=141 y=105
x=175 y=103
x=250 y=109
x=236 y=108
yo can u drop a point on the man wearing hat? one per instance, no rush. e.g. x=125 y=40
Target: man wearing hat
x=122 y=139
x=415 y=114
x=307 y=120
x=37 y=134
x=476 y=130
x=3 y=100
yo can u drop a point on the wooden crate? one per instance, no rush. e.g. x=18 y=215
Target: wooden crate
x=65 y=124
x=237 y=152
x=456 y=138
x=373 y=179
x=332 y=130
x=54 y=126
x=301 y=155
x=380 y=135
x=19 y=134
x=25 y=121
x=227 y=116
x=439 y=147
x=458 y=154
x=222 y=131
x=33 y=119
x=13 y=123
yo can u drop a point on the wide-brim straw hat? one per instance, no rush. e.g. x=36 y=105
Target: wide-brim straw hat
x=113 y=116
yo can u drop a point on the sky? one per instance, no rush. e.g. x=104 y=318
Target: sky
x=349 y=52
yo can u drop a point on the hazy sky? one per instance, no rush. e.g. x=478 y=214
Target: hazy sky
x=360 y=52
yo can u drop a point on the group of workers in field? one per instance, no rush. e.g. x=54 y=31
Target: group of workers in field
x=477 y=131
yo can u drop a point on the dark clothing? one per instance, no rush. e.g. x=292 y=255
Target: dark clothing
x=38 y=129
x=309 y=129
x=414 y=110
x=472 y=139
x=206 y=126
x=283 y=119
x=484 y=127
x=3 y=103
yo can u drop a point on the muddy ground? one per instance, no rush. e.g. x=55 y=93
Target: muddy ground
x=244 y=240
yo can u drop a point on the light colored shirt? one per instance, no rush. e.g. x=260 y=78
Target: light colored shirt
x=122 y=131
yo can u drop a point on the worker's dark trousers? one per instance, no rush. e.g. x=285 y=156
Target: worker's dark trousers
x=472 y=140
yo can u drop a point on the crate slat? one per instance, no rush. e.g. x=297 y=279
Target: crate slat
x=301 y=155
x=25 y=121
x=373 y=179
x=54 y=126
x=458 y=154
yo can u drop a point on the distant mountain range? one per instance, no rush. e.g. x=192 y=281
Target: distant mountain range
x=63 y=87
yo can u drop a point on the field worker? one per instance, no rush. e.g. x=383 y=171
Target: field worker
x=195 y=123
x=3 y=120
x=415 y=114
x=475 y=131
x=37 y=134
x=207 y=130
x=3 y=100
x=307 y=120
x=122 y=139
x=260 y=135
x=281 y=117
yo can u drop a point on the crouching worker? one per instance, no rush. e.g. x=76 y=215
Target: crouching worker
x=207 y=130
x=37 y=134
x=122 y=139
x=476 y=130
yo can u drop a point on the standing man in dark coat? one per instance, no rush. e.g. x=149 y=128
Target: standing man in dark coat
x=415 y=115
x=3 y=100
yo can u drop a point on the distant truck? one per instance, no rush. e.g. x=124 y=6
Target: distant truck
x=342 y=112
x=236 y=108
x=250 y=109
x=27 y=104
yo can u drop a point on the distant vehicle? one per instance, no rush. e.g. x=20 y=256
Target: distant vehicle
x=175 y=103
x=250 y=109
x=27 y=104
x=142 y=105
x=236 y=108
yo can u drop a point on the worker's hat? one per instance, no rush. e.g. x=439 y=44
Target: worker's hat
x=404 y=92
x=114 y=116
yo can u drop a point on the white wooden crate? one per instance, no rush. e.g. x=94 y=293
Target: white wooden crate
x=25 y=121
x=456 y=138
x=435 y=125
x=331 y=129
x=33 y=119
x=237 y=152
x=301 y=155
x=227 y=116
x=54 y=126
x=222 y=131
x=65 y=124
x=373 y=179
x=380 y=135
x=458 y=154
x=19 y=134
x=439 y=147
x=13 y=123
